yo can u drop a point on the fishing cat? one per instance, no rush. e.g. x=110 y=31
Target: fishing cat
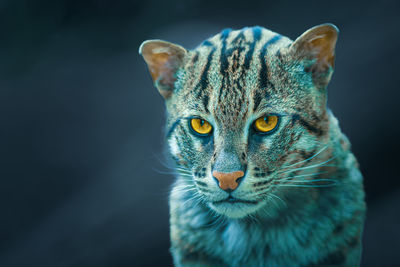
x=264 y=175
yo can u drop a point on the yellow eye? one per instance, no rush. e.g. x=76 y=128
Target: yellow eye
x=200 y=126
x=266 y=123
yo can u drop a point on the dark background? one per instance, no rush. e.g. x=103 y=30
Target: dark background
x=81 y=180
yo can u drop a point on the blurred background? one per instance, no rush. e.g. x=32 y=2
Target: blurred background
x=81 y=139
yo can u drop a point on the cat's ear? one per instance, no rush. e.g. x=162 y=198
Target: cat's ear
x=163 y=60
x=317 y=46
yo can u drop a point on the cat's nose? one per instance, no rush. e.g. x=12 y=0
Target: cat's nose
x=228 y=181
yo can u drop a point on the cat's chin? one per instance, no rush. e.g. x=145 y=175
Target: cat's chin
x=235 y=210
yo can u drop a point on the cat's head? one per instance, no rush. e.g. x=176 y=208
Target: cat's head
x=242 y=107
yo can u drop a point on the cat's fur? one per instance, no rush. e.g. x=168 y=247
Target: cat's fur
x=307 y=189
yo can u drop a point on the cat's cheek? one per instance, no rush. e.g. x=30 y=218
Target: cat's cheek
x=203 y=149
x=173 y=147
x=198 y=146
x=259 y=153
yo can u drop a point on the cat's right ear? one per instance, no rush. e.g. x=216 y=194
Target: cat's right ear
x=317 y=45
x=163 y=60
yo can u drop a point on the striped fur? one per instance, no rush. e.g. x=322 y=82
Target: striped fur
x=306 y=201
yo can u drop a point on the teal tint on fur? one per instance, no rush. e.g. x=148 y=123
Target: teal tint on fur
x=301 y=199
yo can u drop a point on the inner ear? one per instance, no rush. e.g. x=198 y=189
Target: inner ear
x=163 y=60
x=317 y=44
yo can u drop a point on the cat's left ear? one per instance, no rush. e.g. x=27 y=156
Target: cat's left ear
x=163 y=60
x=317 y=45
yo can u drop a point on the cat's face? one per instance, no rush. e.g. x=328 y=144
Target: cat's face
x=242 y=107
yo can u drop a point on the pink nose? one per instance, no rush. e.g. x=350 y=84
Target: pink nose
x=228 y=180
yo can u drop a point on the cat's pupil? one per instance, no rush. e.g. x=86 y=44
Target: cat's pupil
x=201 y=122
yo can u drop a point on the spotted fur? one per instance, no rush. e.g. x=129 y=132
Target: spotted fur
x=302 y=183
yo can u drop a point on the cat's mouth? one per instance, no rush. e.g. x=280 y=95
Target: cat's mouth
x=233 y=200
x=235 y=207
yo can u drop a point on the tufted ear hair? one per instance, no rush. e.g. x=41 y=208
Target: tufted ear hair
x=163 y=60
x=318 y=46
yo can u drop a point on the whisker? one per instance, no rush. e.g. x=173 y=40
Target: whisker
x=306 y=185
x=183 y=169
x=273 y=195
x=184 y=175
x=195 y=197
x=310 y=158
x=188 y=187
x=182 y=172
x=301 y=175
x=163 y=172
x=312 y=180
x=308 y=167
x=273 y=200
x=163 y=162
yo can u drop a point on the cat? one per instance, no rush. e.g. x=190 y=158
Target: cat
x=265 y=176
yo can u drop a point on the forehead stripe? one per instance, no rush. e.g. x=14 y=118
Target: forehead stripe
x=203 y=81
x=205 y=102
x=256 y=36
x=264 y=82
x=224 y=35
x=195 y=57
x=207 y=43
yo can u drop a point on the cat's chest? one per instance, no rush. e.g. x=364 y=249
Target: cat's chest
x=284 y=241
x=273 y=245
x=235 y=240
x=237 y=243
